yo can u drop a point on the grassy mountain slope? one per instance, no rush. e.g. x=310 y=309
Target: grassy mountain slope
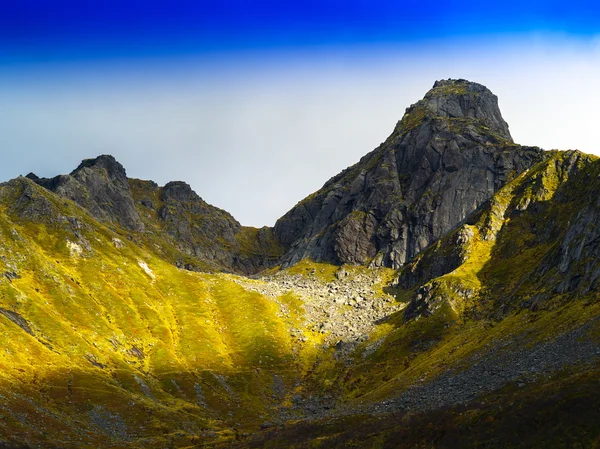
x=500 y=343
x=107 y=345
x=485 y=333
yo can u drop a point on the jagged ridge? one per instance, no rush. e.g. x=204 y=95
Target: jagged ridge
x=448 y=155
x=192 y=233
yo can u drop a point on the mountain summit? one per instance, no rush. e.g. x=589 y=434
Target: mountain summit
x=448 y=155
x=462 y=98
x=99 y=185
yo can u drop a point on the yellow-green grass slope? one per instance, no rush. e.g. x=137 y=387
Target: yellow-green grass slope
x=507 y=262
x=104 y=344
x=501 y=294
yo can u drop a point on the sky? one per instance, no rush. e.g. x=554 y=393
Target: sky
x=256 y=104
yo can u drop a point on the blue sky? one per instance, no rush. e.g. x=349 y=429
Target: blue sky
x=257 y=104
x=31 y=30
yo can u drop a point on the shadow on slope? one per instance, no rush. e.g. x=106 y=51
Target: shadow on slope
x=548 y=414
x=470 y=307
x=107 y=345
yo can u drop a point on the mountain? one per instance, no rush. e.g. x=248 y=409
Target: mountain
x=448 y=155
x=191 y=233
x=442 y=292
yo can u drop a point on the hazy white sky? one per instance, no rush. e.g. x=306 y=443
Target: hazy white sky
x=255 y=133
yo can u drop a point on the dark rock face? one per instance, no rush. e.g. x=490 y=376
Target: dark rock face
x=448 y=155
x=208 y=238
x=576 y=260
x=463 y=99
x=201 y=231
x=580 y=252
x=99 y=185
x=178 y=191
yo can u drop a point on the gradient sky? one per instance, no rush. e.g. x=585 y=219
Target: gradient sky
x=257 y=103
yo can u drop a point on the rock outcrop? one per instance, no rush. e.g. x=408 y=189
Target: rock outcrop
x=192 y=233
x=533 y=242
x=572 y=265
x=200 y=231
x=99 y=185
x=448 y=155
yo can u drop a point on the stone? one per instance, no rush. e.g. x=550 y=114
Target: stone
x=447 y=156
x=99 y=185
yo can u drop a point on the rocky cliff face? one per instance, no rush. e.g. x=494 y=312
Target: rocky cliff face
x=202 y=232
x=448 y=155
x=99 y=185
x=192 y=233
x=574 y=265
x=534 y=242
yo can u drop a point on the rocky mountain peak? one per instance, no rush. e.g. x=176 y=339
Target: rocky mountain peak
x=107 y=162
x=178 y=191
x=462 y=99
x=448 y=155
x=99 y=185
